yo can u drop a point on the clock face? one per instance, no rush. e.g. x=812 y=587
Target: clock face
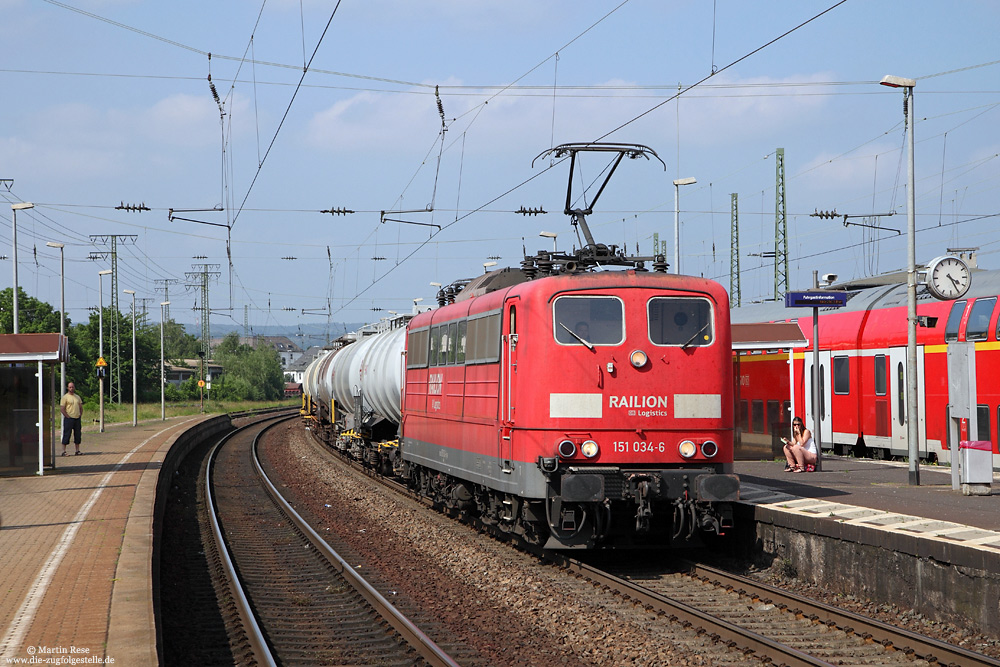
x=948 y=278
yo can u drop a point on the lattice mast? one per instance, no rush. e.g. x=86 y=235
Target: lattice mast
x=734 y=252
x=780 y=228
x=202 y=275
x=114 y=331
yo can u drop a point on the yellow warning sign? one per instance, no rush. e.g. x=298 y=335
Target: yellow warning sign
x=101 y=362
x=201 y=383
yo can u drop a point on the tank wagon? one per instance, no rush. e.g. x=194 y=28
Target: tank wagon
x=578 y=408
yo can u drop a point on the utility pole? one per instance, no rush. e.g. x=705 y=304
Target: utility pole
x=167 y=282
x=203 y=274
x=734 y=253
x=114 y=378
x=780 y=228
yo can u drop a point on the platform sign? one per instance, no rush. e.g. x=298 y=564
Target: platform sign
x=818 y=299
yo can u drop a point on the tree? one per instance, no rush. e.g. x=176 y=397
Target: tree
x=177 y=343
x=33 y=316
x=250 y=374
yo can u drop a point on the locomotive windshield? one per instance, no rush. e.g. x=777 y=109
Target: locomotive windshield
x=589 y=320
x=680 y=321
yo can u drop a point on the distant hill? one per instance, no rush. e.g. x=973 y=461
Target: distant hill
x=305 y=335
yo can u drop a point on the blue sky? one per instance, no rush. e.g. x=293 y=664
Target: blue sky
x=107 y=102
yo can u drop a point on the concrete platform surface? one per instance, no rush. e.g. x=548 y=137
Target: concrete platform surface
x=76 y=547
x=872 y=502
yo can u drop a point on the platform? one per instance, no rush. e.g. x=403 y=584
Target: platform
x=860 y=528
x=877 y=485
x=77 y=549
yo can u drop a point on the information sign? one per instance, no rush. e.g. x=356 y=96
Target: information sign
x=817 y=299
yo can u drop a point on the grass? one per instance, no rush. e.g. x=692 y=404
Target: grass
x=117 y=414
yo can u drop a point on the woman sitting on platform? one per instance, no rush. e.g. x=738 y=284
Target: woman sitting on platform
x=801 y=450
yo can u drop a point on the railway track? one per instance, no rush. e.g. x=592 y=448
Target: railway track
x=764 y=623
x=300 y=603
x=776 y=625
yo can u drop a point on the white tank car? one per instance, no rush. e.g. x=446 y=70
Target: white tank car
x=373 y=367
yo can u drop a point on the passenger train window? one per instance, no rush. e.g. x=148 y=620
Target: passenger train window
x=880 y=375
x=841 y=375
x=983 y=423
x=744 y=416
x=978 y=326
x=598 y=320
x=954 y=319
x=757 y=416
x=900 y=393
x=680 y=321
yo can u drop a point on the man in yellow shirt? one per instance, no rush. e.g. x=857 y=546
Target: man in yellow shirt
x=71 y=407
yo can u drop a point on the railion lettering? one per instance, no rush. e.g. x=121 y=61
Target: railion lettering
x=637 y=401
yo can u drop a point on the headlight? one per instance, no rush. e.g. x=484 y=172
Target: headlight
x=687 y=449
x=709 y=449
x=567 y=449
x=589 y=449
x=638 y=358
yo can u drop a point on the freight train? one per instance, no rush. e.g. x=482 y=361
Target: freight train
x=862 y=370
x=579 y=401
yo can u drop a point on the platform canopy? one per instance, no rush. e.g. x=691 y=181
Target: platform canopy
x=28 y=347
x=767 y=336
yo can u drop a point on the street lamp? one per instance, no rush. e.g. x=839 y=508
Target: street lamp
x=912 y=418
x=100 y=341
x=62 y=307
x=550 y=235
x=677 y=219
x=163 y=371
x=20 y=206
x=134 y=399
x=416 y=306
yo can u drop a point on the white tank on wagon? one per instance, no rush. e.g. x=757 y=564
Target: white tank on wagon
x=372 y=366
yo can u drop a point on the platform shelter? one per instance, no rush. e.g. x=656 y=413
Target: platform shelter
x=762 y=420
x=29 y=401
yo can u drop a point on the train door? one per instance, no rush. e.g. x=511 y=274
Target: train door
x=508 y=386
x=825 y=416
x=897 y=392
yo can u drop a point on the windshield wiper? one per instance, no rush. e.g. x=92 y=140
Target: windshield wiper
x=578 y=336
x=696 y=334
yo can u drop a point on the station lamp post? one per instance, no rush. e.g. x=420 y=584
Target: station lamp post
x=134 y=397
x=912 y=416
x=163 y=369
x=100 y=342
x=677 y=219
x=62 y=308
x=550 y=235
x=20 y=206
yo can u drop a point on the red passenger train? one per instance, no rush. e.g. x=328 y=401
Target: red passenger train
x=577 y=406
x=862 y=371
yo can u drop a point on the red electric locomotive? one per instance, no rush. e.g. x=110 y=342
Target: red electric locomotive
x=577 y=406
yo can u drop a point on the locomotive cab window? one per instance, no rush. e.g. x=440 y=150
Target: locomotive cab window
x=954 y=319
x=588 y=320
x=978 y=326
x=680 y=321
